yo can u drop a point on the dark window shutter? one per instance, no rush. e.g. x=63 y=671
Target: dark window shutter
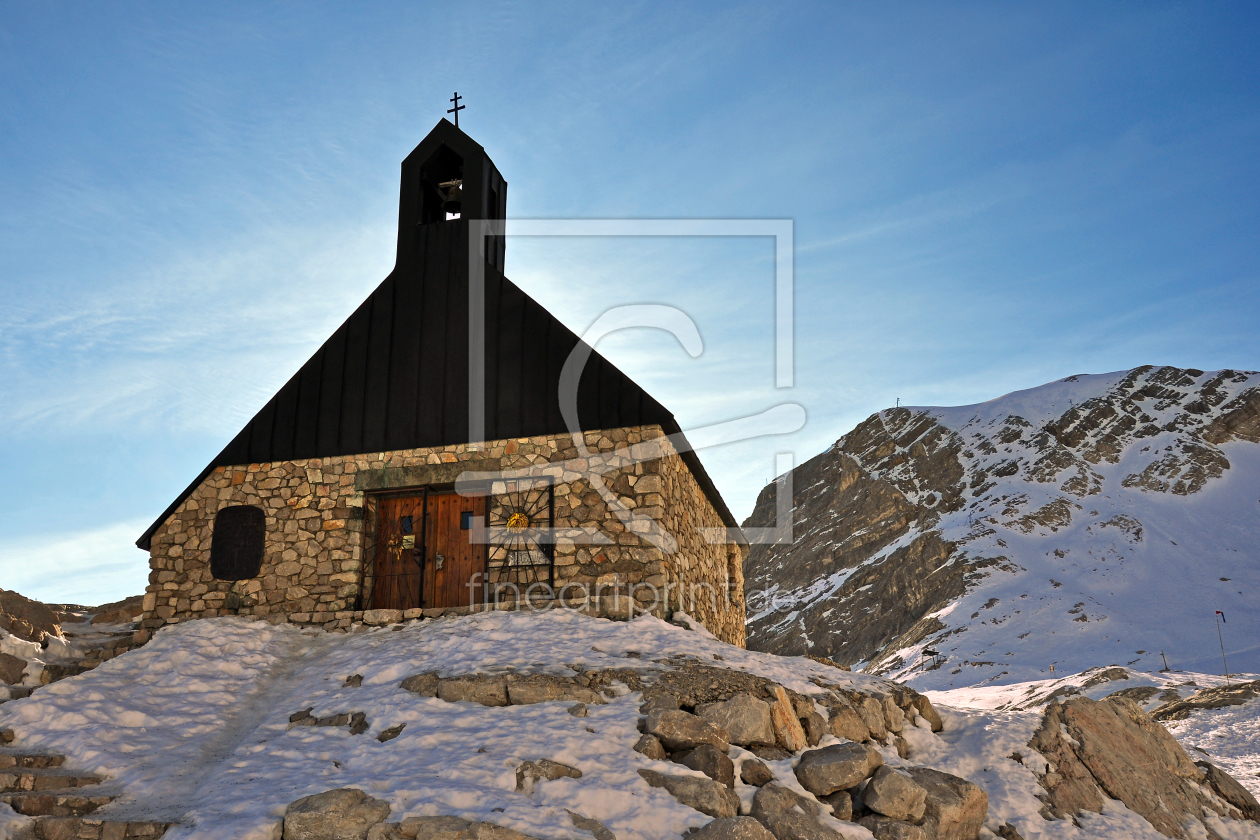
x=236 y=545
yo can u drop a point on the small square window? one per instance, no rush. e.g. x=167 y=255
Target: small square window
x=465 y=520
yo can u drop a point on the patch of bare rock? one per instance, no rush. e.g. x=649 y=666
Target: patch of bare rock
x=1112 y=749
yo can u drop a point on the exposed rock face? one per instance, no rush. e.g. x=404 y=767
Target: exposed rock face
x=341 y=814
x=27 y=619
x=1114 y=749
x=919 y=509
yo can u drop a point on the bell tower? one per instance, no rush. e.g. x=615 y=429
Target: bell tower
x=449 y=178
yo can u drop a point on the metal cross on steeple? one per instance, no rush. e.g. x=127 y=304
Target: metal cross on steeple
x=457 y=107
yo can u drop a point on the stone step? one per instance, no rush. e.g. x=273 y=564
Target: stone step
x=54 y=803
x=86 y=828
x=24 y=760
x=44 y=778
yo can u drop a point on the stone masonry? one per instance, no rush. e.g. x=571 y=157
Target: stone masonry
x=645 y=537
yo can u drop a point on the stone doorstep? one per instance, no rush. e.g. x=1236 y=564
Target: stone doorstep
x=599 y=607
x=81 y=828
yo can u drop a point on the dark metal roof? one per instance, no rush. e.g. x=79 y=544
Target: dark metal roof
x=395 y=374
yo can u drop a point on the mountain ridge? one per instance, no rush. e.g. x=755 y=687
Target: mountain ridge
x=1083 y=500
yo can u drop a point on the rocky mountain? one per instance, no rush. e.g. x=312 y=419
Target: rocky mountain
x=1101 y=519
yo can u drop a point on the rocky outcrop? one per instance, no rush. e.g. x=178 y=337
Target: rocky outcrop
x=27 y=619
x=916 y=508
x=1112 y=749
x=340 y=814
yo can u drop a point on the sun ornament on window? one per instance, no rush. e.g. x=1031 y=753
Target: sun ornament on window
x=521 y=548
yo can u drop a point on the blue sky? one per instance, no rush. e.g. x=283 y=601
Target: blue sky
x=985 y=196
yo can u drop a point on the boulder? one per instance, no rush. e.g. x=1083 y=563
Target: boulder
x=532 y=772
x=872 y=712
x=754 y=772
x=119 y=612
x=705 y=795
x=954 y=808
x=837 y=767
x=746 y=719
x=1114 y=749
x=787 y=728
x=488 y=691
x=340 y=814
x=895 y=795
x=841 y=804
x=650 y=746
x=659 y=703
x=889 y=829
x=775 y=798
x=684 y=731
x=594 y=826
x=732 y=828
x=11 y=669
x=894 y=718
x=815 y=727
x=793 y=825
x=426 y=685
x=708 y=760
x=27 y=619
x=391 y=733
x=1228 y=788
x=846 y=722
x=420 y=828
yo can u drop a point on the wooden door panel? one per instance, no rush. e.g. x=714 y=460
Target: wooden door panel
x=397 y=572
x=461 y=558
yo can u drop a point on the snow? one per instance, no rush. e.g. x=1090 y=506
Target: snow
x=193 y=727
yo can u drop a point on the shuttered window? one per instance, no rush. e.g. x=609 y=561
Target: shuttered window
x=236 y=545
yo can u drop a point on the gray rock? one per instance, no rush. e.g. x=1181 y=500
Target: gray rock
x=1228 y=788
x=488 y=691
x=732 y=828
x=705 y=795
x=11 y=668
x=894 y=718
x=359 y=723
x=526 y=691
x=895 y=795
x=775 y=799
x=578 y=710
x=708 y=760
x=490 y=831
x=837 y=767
x=341 y=814
x=770 y=753
x=845 y=721
x=426 y=685
x=885 y=828
x=746 y=719
x=531 y=772
x=755 y=773
x=595 y=827
x=794 y=825
x=353 y=681
x=872 y=712
x=815 y=728
x=684 y=731
x=432 y=828
x=659 y=703
x=650 y=746
x=391 y=733
x=954 y=808
x=841 y=804
x=377 y=618
x=927 y=712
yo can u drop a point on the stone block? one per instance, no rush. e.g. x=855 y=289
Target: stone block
x=787 y=728
x=895 y=795
x=733 y=828
x=704 y=795
x=340 y=814
x=845 y=722
x=426 y=685
x=711 y=762
x=747 y=720
x=488 y=691
x=683 y=731
x=894 y=718
x=954 y=808
x=650 y=746
x=377 y=618
x=838 y=767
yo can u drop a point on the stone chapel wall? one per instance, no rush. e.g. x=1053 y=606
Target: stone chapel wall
x=319 y=520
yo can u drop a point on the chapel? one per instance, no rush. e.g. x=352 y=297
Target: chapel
x=421 y=461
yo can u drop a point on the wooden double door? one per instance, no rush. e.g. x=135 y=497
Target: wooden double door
x=425 y=552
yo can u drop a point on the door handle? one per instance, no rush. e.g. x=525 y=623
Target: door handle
x=437 y=561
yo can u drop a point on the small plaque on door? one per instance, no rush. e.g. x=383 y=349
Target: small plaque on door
x=409 y=541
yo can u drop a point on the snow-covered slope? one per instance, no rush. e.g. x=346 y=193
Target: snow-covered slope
x=194 y=728
x=1092 y=521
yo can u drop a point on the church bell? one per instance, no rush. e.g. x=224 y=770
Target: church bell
x=454 y=196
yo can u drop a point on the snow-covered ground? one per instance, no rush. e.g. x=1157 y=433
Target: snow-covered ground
x=194 y=727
